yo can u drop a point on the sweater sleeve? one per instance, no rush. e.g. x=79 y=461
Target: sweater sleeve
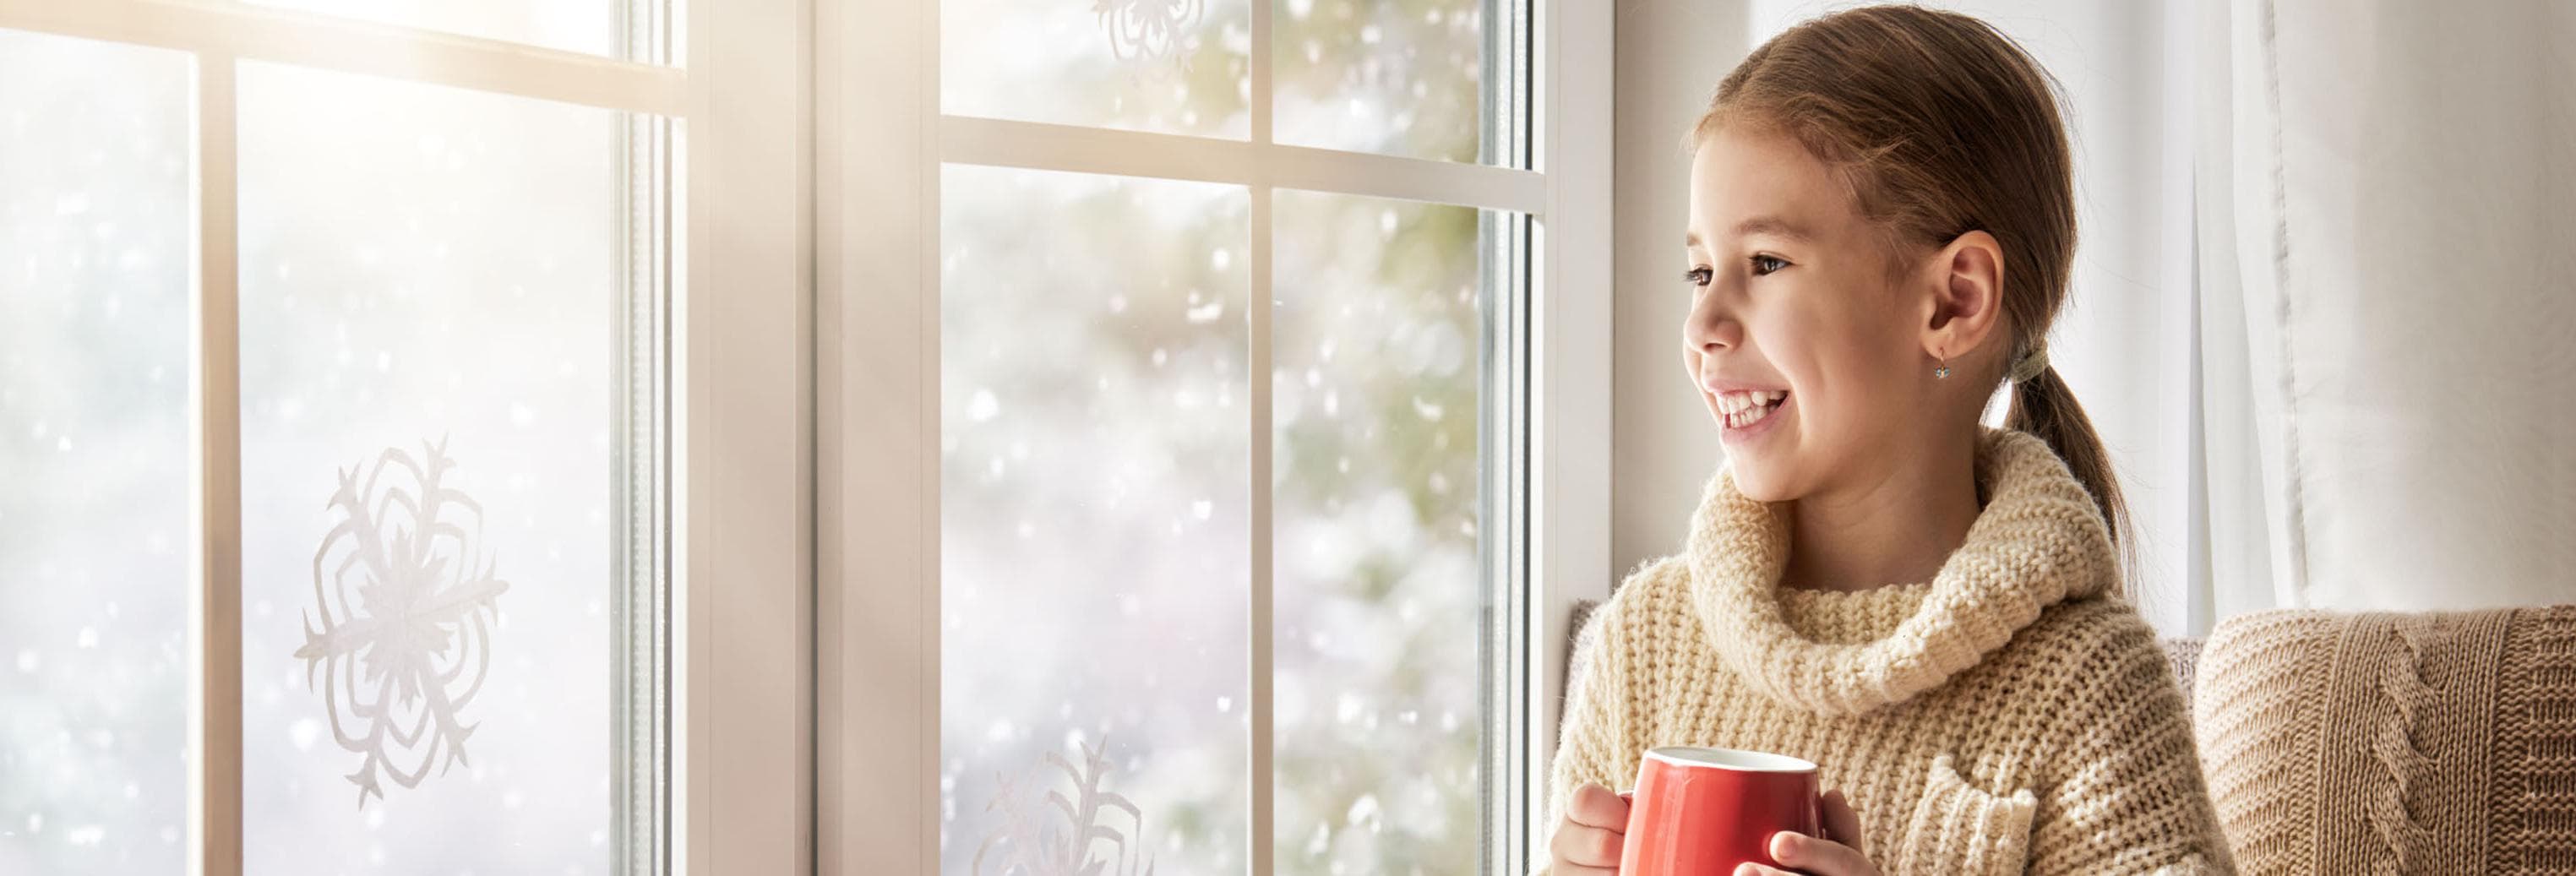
x=2131 y=798
x=1594 y=727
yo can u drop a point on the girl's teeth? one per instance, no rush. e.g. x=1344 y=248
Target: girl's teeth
x=1739 y=401
x=1746 y=409
x=1735 y=402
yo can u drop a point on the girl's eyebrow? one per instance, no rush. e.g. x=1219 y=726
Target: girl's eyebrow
x=1766 y=225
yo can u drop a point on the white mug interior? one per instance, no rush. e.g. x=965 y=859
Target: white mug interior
x=1730 y=759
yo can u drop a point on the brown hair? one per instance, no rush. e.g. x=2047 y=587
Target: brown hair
x=1939 y=125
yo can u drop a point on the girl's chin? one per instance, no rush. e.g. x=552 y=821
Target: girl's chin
x=1756 y=486
x=1762 y=470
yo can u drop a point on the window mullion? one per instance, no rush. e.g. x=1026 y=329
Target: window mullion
x=1110 y=152
x=1264 y=827
x=214 y=682
x=877 y=500
x=640 y=654
x=327 y=42
x=1569 y=342
x=1258 y=360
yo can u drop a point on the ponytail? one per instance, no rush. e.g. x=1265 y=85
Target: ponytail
x=2043 y=405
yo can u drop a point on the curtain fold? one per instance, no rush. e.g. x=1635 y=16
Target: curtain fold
x=2386 y=195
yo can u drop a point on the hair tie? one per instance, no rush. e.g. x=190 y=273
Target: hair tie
x=2030 y=365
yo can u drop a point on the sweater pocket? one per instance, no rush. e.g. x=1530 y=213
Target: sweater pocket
x=1958 y=827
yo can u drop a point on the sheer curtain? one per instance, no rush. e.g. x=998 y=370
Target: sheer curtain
x=2386 y=202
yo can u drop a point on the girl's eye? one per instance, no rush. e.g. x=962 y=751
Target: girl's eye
x=1699 y=276
x=1764 y=264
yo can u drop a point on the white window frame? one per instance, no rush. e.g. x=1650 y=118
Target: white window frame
x=740 y=597
x=883 y=140
x=782 y=334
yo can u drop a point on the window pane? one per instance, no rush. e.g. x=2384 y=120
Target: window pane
x=588 y=26
x=1094 y=556
x=1173 y=66
x=432 y=289
x=95 y=559
x=1378 y=582
x=1402 y=77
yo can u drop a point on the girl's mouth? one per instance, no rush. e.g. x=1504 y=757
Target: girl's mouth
x=1742 y=411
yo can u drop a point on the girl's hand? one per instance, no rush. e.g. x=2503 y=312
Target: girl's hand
x=1839 y=855
x=1589 y=840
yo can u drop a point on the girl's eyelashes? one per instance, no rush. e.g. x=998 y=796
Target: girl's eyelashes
x=1760 y=265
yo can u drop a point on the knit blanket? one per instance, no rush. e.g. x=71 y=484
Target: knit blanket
x=2393 y=743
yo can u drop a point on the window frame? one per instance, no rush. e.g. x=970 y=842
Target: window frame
x=882 y=140
x=802 y=315
x=736 y=746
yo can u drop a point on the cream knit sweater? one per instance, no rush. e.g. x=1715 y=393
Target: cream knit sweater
x=2011 y=715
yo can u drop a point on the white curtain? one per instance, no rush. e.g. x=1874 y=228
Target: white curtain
x=2387 y=235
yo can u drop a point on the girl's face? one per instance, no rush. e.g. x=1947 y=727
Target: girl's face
x=1810 y=356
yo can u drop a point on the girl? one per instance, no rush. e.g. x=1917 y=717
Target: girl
x=1881 y=226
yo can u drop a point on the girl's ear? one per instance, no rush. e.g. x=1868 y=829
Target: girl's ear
x=1967 y=298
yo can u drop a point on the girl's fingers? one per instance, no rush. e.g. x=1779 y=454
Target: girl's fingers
x=1585 y=846
x=1842 y=825
x=1818 y=855
x=1588 y=843
x=1752 y=869
x=1594 y=806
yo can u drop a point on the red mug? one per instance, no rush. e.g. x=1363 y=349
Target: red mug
x=1702 y=811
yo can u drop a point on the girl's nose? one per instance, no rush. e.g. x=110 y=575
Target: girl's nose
x=1709 y=328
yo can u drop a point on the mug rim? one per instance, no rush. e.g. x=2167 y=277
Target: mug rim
x=1740 y=759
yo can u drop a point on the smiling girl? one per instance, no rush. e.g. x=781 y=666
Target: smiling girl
x=1882 y=223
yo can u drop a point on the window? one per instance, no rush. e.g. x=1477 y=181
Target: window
x=433 y=436
x=1099 y=394
x=1386 y=550
x=94 y=570
x=1186 y=375
x=509 y=436
x=358 y=422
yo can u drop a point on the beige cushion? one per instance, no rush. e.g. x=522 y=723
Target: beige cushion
x=2393 y=743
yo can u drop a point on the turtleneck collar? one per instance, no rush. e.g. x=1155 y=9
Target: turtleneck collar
x=2039 y=540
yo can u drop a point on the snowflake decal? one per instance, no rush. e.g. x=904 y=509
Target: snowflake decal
x=398 y=662
x=1147 y=28
x=1032 y=842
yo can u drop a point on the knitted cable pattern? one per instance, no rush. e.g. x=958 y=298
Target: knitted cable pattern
x=2401 y=758
x=2011 y=715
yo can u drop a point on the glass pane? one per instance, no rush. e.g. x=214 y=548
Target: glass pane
x=1402 y=77
x=1094 y=556
x=588 y=26
x=1378 y=567
x=95 y=558
x=1172 y=66
x=433 y=283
